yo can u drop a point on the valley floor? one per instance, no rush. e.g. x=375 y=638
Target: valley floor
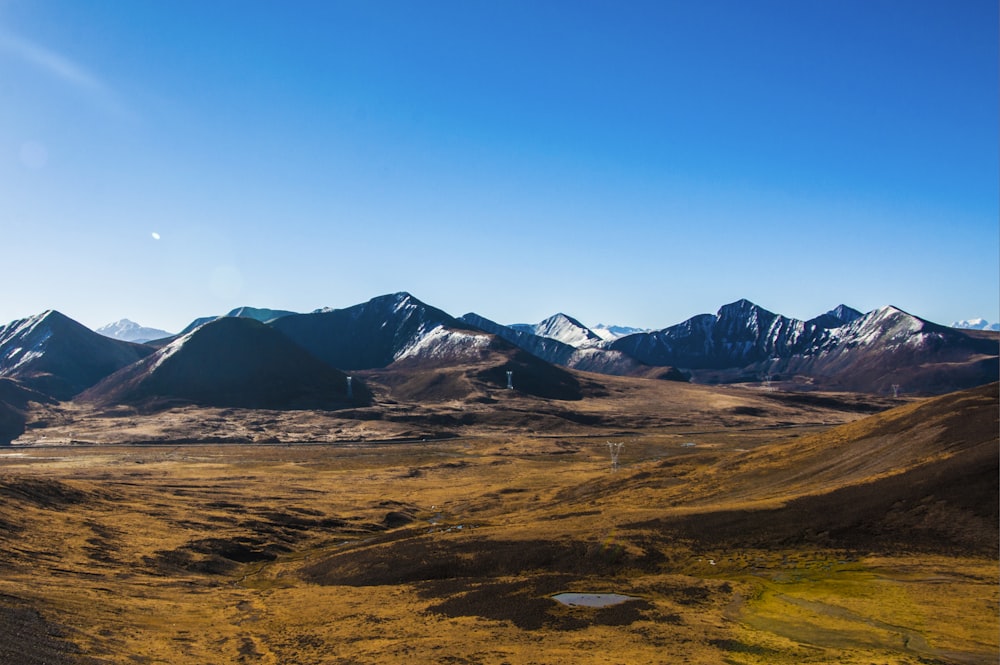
x=450 y=552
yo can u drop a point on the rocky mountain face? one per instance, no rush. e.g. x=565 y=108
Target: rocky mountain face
x=231 y=362
x=890 y=350
x=130 y=331
x=740 y=333
x=841 y=349
x=379 y=332
x=55 y=355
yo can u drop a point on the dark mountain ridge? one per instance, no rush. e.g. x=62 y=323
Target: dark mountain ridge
x=232 y=362
x=370 y=335
x=740 y=333
x=841 y=349
x=55 y=355
x=15 y=402
x=261 y=314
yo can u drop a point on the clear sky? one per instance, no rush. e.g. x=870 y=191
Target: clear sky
x=623 y=162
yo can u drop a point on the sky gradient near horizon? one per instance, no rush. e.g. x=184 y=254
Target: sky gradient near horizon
x=629 y=163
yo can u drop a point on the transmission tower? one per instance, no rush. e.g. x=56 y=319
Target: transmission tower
x=615 y=448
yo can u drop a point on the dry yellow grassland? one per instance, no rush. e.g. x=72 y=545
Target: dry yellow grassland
x=451 y=551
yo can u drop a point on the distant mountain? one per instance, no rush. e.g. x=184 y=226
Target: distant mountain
x=611 y=333
x=256 y=313
x=231 y=362
x=130 y=331
x=588 y=358
x=839 y=316
x=562 y=328
x=551 y=350
x=976 y=324
x=57 y=356
x=379 y=332
x=869 y=353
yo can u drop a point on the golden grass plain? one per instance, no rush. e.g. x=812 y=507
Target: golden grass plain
x=448 y=551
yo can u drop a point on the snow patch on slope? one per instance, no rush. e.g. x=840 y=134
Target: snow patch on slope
x=32 y=338
x=441 y=342
x=170 y=349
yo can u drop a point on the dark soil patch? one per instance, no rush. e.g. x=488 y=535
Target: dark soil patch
x=263 y=538
x=27 y=638
x=850 y=403
x=397 y=518
x=419 y=559
x=44 y=493
x=748 y=411
x=215 y=556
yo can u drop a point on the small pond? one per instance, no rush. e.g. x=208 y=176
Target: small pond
x=592 y=599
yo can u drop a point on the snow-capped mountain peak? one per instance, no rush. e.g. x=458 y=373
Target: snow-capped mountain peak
x=443 y=342
x=845 y=314
x=976 y=324
x=562 y=328
x=130 y=331
x=609 y=333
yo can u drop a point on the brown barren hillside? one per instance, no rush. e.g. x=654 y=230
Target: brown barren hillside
x=864 y=540
x=466 y=398
x=920 y=477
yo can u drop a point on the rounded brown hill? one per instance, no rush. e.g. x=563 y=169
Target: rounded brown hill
x=920 y=477
x=232 y=362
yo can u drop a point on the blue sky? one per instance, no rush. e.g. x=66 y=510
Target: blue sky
x=633 y=163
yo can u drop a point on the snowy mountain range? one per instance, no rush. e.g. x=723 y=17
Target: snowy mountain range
x=609 y=333
x=976 y=324
x=397 y=335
